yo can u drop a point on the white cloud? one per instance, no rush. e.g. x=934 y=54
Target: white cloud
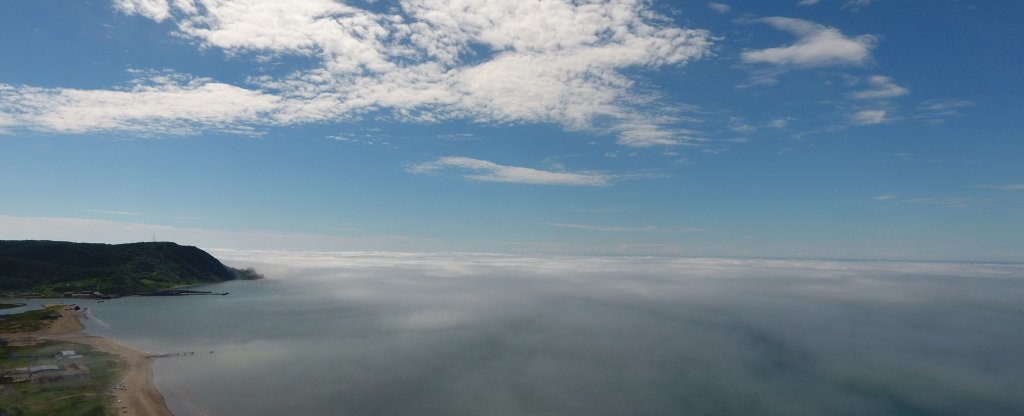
x=6 y=120
x=857 y=4
x=778 y=123
x=158 y=10
x=719 y=7
x=808 y=2
x=865 y=117
x=485 y=171
x=816 y=45
x=882 y=87
x=885 y=197
x=163 y=103
x=547 y=61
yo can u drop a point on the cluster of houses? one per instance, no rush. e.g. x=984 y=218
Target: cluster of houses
x=49 y=373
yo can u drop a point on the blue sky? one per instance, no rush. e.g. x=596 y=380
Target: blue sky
x=831 y=129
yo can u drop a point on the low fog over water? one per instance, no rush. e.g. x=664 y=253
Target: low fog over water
x=397 y=334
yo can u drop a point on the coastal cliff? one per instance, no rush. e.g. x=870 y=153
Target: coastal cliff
x=59 y=268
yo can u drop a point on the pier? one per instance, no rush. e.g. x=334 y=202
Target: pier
x=174 y=354
x=181 y=292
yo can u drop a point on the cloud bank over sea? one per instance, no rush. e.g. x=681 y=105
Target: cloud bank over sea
x=510 y=335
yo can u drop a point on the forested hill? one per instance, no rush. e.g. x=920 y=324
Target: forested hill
x=57 y=267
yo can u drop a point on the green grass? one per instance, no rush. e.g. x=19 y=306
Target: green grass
x=70 y=398
x=33 y=320
x=107 y=286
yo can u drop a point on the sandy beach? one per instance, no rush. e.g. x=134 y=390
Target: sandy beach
x=139 y=395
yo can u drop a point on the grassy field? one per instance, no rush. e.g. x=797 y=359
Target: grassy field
x=62 y=397
x=27 y=321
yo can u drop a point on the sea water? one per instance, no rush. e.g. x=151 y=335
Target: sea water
x=479 y=335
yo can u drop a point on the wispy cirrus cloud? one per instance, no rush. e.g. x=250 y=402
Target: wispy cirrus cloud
x=606 y=228
x=1004 y=187
x=938 y=111
x=603 y=210
x=552 y=61
x=112 y=212
x=857 y=4
x=816 y=45
x=948 y=202
x=848 y=4
x=486 y=171
x=881 y=87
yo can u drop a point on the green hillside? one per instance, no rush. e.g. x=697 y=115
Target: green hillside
x=57 y=267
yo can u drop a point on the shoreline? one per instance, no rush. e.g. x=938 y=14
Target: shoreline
x=139 y=395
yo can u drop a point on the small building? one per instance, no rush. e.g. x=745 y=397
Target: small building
x=64 y=354
x=52 y=373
